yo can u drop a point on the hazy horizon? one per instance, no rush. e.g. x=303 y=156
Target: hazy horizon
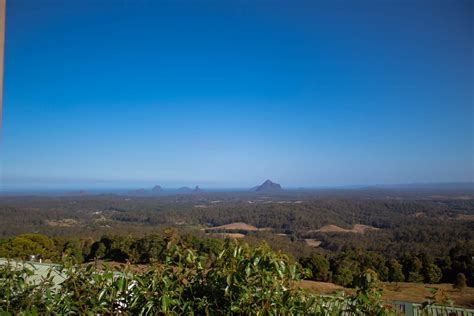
x=123 y=186
x=221 y=94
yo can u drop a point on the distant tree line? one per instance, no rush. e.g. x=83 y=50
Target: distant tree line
x=424 y=225
x=411 y=267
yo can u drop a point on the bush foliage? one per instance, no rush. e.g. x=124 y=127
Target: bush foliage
x=237 y=280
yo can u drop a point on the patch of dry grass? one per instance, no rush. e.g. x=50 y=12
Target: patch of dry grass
x=65 y=222
x=313 y=242
x=235 y=226
x=403 y=291
x=358 y=228
x=228 y=235
x=322 y=287
x=466 y=217
x=418 y=293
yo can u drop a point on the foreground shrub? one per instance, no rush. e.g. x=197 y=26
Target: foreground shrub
x=460 y=282
x=239 y=280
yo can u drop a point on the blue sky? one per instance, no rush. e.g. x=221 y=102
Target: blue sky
x=230 y=93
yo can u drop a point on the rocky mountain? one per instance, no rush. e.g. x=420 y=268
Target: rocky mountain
x=197 y=189
x=268 y=186
x=157 y=189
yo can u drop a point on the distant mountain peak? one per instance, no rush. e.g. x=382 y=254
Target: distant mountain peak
x=157 y=188
x=268 y=186
x=197 y=189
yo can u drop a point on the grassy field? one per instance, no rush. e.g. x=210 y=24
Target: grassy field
x=403 y=291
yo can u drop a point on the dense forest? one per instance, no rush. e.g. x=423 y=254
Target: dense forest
x=401 y=230
x=431 y=225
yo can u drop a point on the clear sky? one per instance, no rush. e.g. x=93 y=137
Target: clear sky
x=230 y=93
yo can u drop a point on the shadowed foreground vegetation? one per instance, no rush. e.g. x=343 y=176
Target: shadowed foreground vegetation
x=237 y=280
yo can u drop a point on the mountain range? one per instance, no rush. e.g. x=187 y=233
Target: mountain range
x=266 y=187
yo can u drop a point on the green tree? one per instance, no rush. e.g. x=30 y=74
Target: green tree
x=432 y=273
x=460 y=282
x=375 y=262
x=368 y=300
x=24 y=245
x=462 y=257
x=343 y=276
x=412 y=268
x=444 y=264
x=395 y=272
x=98 y=250
x=319 y=267
x=415 y=277
x=73 y=249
